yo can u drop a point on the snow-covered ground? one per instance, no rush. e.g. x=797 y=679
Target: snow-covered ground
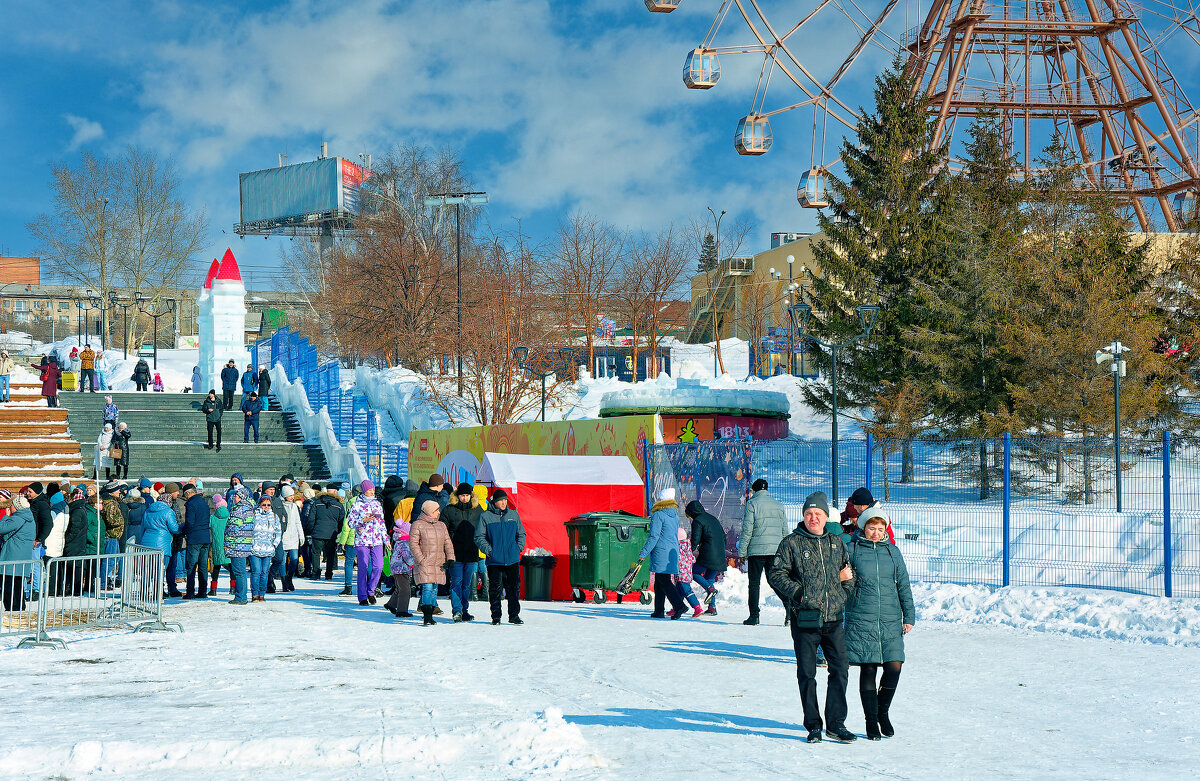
x=1012 y=683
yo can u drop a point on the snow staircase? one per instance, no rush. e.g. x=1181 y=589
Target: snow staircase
x=169 y=432
x=35 y=441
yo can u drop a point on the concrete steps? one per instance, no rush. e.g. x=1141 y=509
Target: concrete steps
x=169 y=432
x=34 y=443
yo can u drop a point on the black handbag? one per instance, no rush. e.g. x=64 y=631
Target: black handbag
x=807 y=619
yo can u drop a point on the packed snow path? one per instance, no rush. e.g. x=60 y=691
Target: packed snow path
x=310 y=685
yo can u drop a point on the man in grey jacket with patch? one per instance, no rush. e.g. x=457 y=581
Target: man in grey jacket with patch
x=764 y=525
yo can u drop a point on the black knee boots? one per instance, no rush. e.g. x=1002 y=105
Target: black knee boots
x=870 y=704
x=886 y=693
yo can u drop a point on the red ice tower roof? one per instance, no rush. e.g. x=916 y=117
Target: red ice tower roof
x=229 y=270
x=212 y=273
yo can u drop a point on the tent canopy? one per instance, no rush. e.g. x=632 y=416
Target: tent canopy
x=511 y=469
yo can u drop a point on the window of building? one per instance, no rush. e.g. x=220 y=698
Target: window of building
x=19 y=305
x=64 y=319
x=64 y=305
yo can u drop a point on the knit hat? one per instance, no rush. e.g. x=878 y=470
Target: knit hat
x=135 y=495
x=19 y=502
x=143 y=484
x=429 y=507
x=818 y=500
x=463 y=488
x=666 y=495
x=111 y=487
x=862 y=496
x=435 y=480
x=288 y=492
x=158 y=487
x=759 y=485
x=219 y=501
x=5 y=494
x=870 y=513
x=499 y=494
x=308 y=493
x=366 y=485
x=37 y=488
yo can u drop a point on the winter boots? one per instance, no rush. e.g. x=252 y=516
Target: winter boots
x=752 y=620
x=840 y=734
x=427 y=612
x=886 y=693
x=870 y=703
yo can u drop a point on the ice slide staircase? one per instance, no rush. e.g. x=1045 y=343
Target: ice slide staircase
x=169 y=433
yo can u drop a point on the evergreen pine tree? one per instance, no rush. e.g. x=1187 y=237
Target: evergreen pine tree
x=708 y=255
x=882 y=236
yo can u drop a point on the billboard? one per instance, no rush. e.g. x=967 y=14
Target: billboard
x=290 y=192
x=457 y=453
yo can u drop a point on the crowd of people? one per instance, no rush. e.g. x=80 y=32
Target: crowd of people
x=842 y=580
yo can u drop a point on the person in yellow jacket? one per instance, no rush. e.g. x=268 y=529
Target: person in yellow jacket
x=346 y=540
x=481 y=493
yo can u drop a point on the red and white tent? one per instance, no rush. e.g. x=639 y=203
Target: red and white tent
x=548 y=491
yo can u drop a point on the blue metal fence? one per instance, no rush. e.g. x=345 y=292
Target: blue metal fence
x=349 y=412
x=1009 y=510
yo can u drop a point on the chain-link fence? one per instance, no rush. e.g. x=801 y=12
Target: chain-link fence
x=1023 y=511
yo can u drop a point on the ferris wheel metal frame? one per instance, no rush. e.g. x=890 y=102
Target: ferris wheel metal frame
x=1086 y=71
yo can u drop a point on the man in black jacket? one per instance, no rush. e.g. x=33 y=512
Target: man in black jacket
x=229 y=381
x=198 y=533
x=212 y=410
x=460 y=517
x=327 y=516
x=434 y=488
x=811 y=573
x=251 y=406
x=708 y=543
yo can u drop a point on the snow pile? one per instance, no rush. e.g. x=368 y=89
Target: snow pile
x=174 y=366
x=344 y=461
x=1109 y=615
x=1087 y=613
x=665 y=391
x=400 y=393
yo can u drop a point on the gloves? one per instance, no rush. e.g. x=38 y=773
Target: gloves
x=447 y=565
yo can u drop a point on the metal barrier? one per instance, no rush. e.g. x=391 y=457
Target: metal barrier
x=75 y=594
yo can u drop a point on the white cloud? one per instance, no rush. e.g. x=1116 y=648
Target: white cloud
x=85 y=130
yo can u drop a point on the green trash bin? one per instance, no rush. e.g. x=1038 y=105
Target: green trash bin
x=603 y=545
x=538 y=571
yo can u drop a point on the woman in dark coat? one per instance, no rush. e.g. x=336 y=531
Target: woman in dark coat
x=121 y=440
x=879 y=612
x=141 y=374
x=264 y=384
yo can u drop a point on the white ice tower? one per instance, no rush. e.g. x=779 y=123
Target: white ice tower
x=222 y=320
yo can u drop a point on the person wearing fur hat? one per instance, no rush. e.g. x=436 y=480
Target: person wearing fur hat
x=879 y=613
x=500 y=536
x=460 y=517
x=366 y=519
x=812 y=575
x=433 y=553
x=662 y=547
x=764 y=525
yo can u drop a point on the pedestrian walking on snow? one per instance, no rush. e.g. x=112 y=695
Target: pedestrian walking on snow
x=197 y=532
x=366 y=519
x=402 y=567
x=432 y=553
x=141 y=375
x=217 y=524
x=500 y=536
x=764 y=525
x=239 y=541
x=879 y=613
x=461 y=516
x=812 y=575
x=662 y=547
x=708 y=543
x=293 y=537
x=328 y=516
x=683 y=581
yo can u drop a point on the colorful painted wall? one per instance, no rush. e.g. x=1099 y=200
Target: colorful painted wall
x=456 y=453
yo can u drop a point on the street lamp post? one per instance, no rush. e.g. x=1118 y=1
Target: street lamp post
x=790 y=292
x=154 y=313
x=1112 y=354
x=85 y=304
x=521 y=354
x=458 y=199
x=115 y=301
x=866 y=321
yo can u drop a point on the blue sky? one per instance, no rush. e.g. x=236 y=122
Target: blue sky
x=555 y=106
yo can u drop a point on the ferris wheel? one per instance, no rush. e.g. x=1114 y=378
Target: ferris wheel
x=1093 y=73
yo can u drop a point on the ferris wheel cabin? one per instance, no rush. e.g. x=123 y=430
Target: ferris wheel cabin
x=1185 y=206
x=813 y=190
x=753 y=135
x=701 y=69
x=662 y=6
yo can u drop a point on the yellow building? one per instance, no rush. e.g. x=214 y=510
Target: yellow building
x=747 y=297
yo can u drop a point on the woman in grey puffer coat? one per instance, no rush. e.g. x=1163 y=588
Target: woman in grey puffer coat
x=879 y=612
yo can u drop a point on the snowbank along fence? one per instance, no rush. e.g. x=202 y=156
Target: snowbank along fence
x=72 y=595
x=350 y=415
x=1011 y=510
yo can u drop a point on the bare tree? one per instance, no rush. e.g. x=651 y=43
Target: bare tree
x=581 y=271
x=120 y=221
x=650 y=276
